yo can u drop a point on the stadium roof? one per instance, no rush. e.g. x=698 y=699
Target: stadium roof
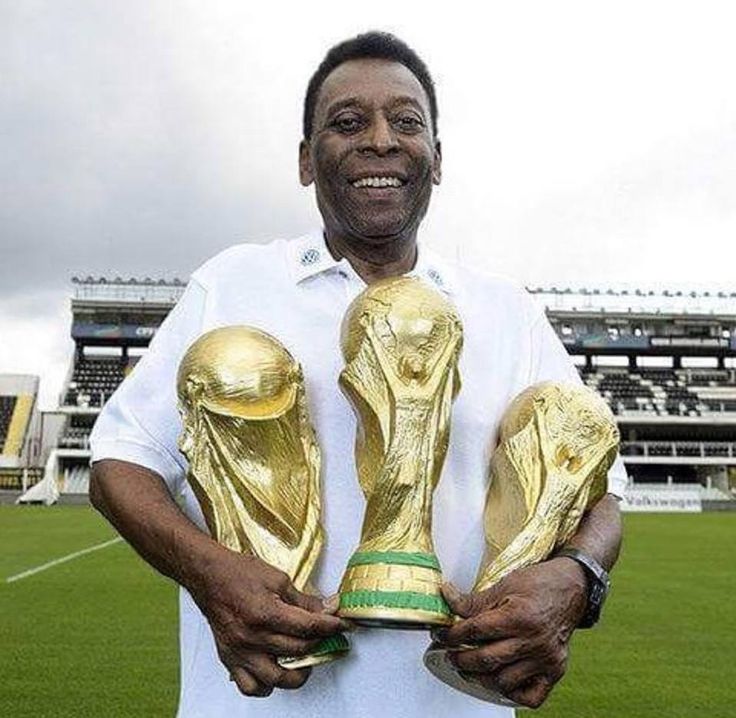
x=90 y=280
x=636 y=300
x=105 y=289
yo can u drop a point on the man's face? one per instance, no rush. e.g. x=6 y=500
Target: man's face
x=372 y=154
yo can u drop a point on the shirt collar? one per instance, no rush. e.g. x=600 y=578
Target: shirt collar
x=308 y=256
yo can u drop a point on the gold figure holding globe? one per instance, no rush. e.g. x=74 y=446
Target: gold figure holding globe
x=401 y=341
x=254 y=462
x=556 y=445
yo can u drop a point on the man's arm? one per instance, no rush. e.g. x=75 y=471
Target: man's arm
x=524 y=622
x=253 y=609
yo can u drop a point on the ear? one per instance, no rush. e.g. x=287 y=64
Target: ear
x=306 y=175
x=437 y=163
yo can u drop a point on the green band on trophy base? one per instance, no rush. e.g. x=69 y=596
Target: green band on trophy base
x=325 y=651
x=394 y=599
x=393 y=589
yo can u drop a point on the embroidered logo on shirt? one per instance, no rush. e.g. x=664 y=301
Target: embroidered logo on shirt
x=309 y=256
x=435 y=276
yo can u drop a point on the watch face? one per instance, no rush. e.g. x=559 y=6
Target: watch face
x=599 y=584
x=597 y=594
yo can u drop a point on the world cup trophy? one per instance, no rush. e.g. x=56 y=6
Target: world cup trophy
x=556 y=445
x=254 y=462
x=401 y=341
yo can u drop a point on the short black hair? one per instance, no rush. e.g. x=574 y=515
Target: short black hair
x=374 y=45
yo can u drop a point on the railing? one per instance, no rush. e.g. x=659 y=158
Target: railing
x=74 y=442
x=712 y=408
x=679 y=449
x=93 y=400
x=20 y=479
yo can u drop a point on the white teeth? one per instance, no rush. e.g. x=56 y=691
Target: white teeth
x=378 y=182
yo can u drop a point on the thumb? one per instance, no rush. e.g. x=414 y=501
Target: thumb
x=461 y=604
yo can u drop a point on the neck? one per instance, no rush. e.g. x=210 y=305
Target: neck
x=372 y=263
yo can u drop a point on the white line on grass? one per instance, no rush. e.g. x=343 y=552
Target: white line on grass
x=63 y=559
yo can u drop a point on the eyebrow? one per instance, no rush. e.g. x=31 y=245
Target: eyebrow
x=357 y=102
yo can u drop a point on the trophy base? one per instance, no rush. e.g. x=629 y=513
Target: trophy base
x=437 y=662
x=396 y=618
x=331 y=649
x=393 y=589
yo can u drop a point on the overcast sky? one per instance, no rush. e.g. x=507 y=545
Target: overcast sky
x=585 y=143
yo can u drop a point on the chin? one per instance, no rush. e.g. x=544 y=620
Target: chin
x=381 y=232
x=378 y=238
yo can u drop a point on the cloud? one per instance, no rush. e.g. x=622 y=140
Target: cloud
x=581 y=144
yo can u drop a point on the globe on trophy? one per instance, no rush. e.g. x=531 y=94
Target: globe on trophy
x=401 y=341
x=556 y=445
x=254 y=462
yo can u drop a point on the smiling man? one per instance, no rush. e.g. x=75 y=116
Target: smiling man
x=370 y=149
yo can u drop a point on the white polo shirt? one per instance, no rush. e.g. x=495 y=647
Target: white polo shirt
x=297 y=292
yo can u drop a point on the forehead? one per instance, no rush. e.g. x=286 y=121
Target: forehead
x=371 y=81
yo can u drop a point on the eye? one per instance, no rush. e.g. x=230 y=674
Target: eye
x=408 y=123
x=347 y=124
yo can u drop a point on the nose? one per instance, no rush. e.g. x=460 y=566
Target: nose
x=379 y=137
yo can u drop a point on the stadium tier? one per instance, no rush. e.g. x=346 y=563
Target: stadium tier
x=18 y=394
x=7 y=406
x=664 y=361
x=113 y=321
x=664 y=392
x=94 y=380
x=19 y=421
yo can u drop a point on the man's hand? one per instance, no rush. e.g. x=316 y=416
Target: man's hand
x=522 y=627
x=253 y=609
x=256 y=614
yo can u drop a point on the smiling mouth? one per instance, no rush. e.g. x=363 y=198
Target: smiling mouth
x=378 y=182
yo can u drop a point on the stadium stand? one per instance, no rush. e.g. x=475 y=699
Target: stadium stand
x=112 y=319
x=19 y=419
x=7 y=405
x=94 y=380
x=18 y=394
x=664 y=361
x=662 y=392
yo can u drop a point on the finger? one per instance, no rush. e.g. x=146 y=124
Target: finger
x=295 y=597
x=247 y=684
x=514 y=676
x=331 y=604
x=469 y=604
x=489 y=657
x=268 y=672
x=297 y=622
x=461 y=604
x=263 y=668
x=294 y=678
x=281 y=645
x=533 y=693
x=488 y=625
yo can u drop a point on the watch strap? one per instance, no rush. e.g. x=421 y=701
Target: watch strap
x=599 y=584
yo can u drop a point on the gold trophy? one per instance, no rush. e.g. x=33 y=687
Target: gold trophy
x=556 y=444
x=401 y=341
x=253 y=457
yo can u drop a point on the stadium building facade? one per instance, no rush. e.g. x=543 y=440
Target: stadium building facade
x=664 y=361
x=113 y=321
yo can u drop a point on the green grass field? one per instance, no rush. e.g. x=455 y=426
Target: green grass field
x=96 y=636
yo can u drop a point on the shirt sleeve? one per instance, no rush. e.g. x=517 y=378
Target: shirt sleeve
x=551 y=362
x=140 y=422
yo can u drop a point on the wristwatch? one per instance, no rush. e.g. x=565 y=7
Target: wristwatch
x=599 y=584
